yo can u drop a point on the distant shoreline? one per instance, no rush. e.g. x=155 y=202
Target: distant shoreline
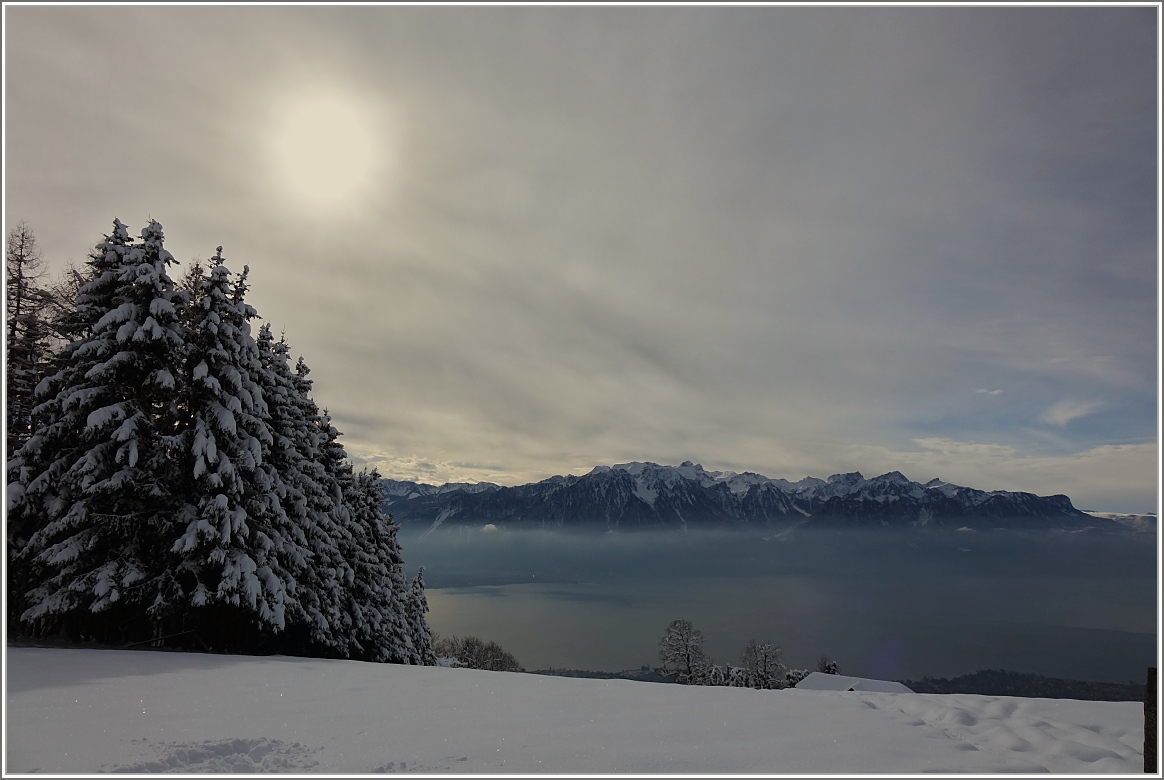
x=987 y=682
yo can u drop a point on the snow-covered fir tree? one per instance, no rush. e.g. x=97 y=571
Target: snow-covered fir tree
x=417 y=609
x=179 y=480
x=351 y=587
x=228 y=554
x=318 y=519
x=379 y=601
x=335 y=478
x=94 y=483
x=290 y=456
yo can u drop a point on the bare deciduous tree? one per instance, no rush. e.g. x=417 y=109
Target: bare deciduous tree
x=681 y=651
x=762 y=660
x=26 y=346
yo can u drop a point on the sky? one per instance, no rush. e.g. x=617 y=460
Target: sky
x=519 y=242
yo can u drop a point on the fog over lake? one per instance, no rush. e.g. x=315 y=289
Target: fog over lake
x=886 y=604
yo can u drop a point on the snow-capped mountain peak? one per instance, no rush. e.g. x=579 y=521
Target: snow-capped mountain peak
x=646 y=494
x=892 y=476
x=668 y=475
x=852 y=478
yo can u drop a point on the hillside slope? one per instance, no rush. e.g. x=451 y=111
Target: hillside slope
x=88 y=711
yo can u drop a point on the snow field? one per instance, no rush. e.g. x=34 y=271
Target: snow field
x=87 y=711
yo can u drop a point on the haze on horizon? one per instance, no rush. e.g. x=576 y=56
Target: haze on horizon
x=519 y=242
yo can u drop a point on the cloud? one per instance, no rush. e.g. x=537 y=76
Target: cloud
x=1123 y=477
x=1063 y=412
x=416 y=468
x=593 y=277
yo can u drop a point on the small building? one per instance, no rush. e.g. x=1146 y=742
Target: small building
x=819 y=681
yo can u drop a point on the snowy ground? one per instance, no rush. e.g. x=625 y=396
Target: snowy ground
x=88 y=711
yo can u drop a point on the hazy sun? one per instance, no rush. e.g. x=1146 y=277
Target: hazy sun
x=325 y=149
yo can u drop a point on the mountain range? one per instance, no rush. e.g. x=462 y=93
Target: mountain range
x=632 y=496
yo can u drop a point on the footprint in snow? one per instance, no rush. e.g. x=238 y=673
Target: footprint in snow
x=226 y=755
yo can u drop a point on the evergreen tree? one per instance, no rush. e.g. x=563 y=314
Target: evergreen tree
x=333 y=520
x=177 y=476
x=227 y=565
x=417 y=609
x=379 y=602
x=94 y=483
x=307 y=494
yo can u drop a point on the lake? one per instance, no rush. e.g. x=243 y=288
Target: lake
x=884 y=604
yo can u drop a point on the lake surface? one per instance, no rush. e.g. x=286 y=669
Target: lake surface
x=884 y=604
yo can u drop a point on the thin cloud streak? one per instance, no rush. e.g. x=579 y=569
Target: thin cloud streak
x=1064 y=412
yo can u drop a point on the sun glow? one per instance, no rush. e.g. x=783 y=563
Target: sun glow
x=326 y=149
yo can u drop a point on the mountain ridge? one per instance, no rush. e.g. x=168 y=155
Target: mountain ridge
x=645 y=495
